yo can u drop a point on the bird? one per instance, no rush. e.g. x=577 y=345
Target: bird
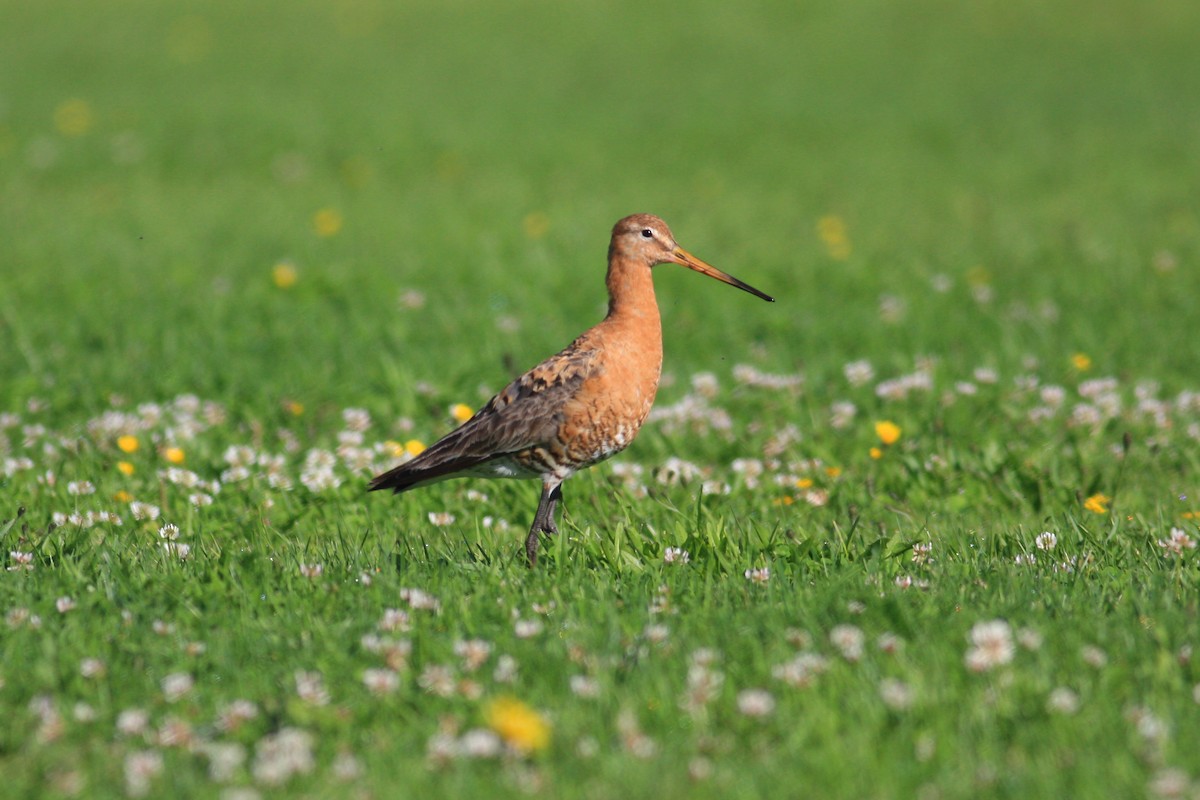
x=579 y=407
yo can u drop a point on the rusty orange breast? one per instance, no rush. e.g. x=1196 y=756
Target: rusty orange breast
x=605 y=415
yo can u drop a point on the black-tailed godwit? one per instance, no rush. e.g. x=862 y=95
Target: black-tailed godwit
x=578 y=407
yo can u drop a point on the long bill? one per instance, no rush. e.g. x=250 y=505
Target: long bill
x=686 y=259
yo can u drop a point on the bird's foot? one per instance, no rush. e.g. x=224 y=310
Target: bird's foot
x=543 y=521
x=533 y=540
x=531 y=547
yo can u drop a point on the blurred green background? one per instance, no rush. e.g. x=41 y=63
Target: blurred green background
x=396 y=206
x=1011 y=179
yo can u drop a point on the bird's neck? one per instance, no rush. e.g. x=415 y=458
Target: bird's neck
x=632 y=333
x=631 y=293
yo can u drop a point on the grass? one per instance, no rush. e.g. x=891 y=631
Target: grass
x=991 y=204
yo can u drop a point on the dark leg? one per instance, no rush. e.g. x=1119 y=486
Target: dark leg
x=543 y=520
x=549 y=525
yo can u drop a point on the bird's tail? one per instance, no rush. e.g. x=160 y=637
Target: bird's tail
x=398 y=480
x=429 y=467
x=454 y=454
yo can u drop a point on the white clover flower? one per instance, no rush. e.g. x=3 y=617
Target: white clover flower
x=859 y=373
x=231 y=716
x=437 y=679
x=1062 y=701
x=141 y=767
x=705 y=384
x=758 y=575
x=473 y=652
x=849 y=641
x=802 y=670
x=527 y=628
x=281 y=755
x=310 y=687
x=420 y=600
x=176 y=685
x=506 y=669
x=676 y=555
x=584 y=686
x=1093 y=656
x=991 y=645
x=142 y=511
x=703 y=686
x=133 y=722
x=656 y=634
x=200 y=499
x=480 y=743
x=895 y=694
x=675 y=471
x=393 y=620
x=92 y=668
x=381 y=681
x=1177 y=542
x=755 y=702
x=356 y=419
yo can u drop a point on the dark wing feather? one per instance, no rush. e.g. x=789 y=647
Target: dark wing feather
x=525 y=414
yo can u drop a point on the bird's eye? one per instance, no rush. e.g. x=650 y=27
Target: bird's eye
x=647 y=233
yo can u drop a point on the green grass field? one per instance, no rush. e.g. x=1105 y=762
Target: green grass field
x=925 y=527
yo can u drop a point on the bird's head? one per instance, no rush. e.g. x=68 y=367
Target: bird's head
x=646 y=239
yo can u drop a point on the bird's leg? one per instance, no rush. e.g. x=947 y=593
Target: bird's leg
x=548 y=524
x=543 y=520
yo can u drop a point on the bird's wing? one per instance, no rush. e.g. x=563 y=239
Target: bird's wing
x=527 y=413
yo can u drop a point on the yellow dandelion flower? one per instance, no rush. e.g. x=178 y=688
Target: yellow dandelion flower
x=887 y=431
x=804 y=483
x=535 y=224
x=1097 y=503
x=833 y=472
x=414 y=448
x=876 y=453
x=1191 y=515
x=127 y=443
x=1081 y=362
x=461 y=412
x=174 y=455
x=327 y=222
x=125 y=468
x=979 y=276
x=123 y=496
x=786 y=500
x=293 y=407
x=284 y=274
x=832 y=230
x=522 y=728
x=74 y=117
